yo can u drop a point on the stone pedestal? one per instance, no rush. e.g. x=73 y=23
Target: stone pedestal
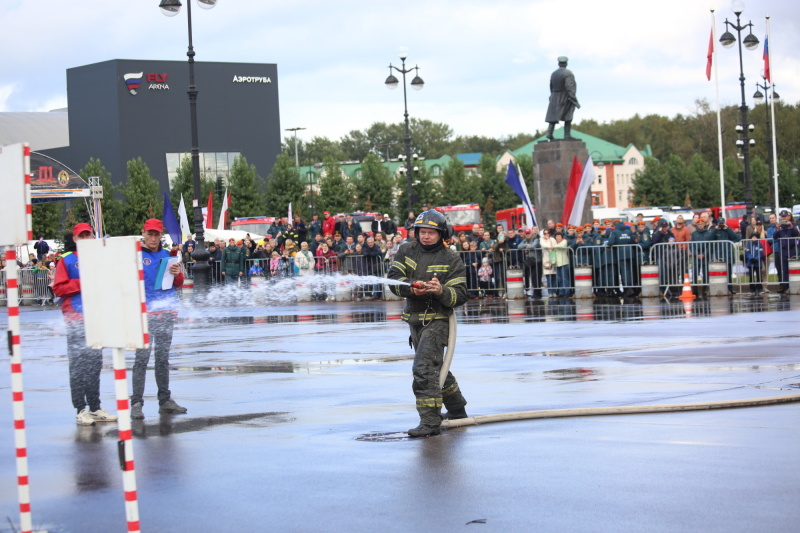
x=552 y=163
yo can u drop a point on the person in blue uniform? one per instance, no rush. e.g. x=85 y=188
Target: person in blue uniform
x=162 y=305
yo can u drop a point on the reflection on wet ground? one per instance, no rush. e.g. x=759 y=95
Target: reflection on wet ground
x=170 y=424
x=513 y=311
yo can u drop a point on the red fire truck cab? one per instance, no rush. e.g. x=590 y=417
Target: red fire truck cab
x=461 y=217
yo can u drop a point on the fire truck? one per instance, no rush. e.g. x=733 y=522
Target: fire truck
x=513 y=218
x=461 y=217
x=253 y=225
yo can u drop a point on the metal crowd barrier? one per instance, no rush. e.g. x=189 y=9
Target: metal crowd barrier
x=34 y=287
x=590 y=270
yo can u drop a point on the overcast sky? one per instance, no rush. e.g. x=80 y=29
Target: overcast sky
x=486 y=64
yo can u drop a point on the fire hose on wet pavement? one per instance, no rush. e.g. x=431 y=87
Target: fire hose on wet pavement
x=595 y=411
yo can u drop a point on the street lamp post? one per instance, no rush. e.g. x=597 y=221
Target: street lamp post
x=417 y=84
x=744 y=142
x=201 y=267
x=296 y=157
x=757 y=98
x=297 y=162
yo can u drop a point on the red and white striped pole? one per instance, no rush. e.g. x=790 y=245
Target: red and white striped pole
x=20 y=442
x=125 y=444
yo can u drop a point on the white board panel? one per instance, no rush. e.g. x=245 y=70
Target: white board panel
x=14 y=220
x=113 y=294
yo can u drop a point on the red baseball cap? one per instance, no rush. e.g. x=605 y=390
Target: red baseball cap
x=153 y=224
x=80 y=228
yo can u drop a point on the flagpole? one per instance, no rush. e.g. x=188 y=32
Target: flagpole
x=719 y=111
x=774 y=120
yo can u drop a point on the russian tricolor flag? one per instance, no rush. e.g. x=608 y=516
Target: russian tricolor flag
x=766 y=59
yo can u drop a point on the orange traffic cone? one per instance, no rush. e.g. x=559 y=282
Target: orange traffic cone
x=686 y=294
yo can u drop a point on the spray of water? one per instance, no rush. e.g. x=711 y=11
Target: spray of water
x=285 y=291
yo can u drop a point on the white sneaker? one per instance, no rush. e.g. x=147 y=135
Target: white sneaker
x=84 y=418
x=101 y=415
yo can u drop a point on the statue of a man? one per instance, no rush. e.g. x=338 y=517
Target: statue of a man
x=562 y=99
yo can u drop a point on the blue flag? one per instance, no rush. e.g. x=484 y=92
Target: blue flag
x=171 y=221
x=517 y=183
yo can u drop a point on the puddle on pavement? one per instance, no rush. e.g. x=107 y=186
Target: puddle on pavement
x=632 y=348
x=166 y=425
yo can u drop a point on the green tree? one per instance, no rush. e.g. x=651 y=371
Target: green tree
x=430 y=139
x=376 y=185
x=46 y=220
x=788 y=183
x=493 y=185
x=317 y=150
x=283 y=187
x=427 y=190
x=459 y=186
x=245 y=189
x=112 y=205
x=141 y=195
x=702 y=183
x=183 y=186
x=734 y=180
x=651 y=185
x=356 y=145
x=759 y=181
x=335 y=190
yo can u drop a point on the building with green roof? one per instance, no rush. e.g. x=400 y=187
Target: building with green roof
x=615 y=167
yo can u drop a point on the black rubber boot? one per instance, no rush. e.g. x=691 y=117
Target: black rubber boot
x=455 y=414
x=424 y=430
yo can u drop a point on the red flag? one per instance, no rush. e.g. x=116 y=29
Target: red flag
x=209 y=209
x=572 y=190
x=710 y=54
x=766 y=59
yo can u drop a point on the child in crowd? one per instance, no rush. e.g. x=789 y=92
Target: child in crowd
x=485 y=277
x=753 y=257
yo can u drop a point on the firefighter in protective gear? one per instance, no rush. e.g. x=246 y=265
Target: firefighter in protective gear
x=437 y=283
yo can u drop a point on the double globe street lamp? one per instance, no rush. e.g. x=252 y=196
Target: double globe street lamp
x=201 y=267
x=392 y=82
x=744 y=142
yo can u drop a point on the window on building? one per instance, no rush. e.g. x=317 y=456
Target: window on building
x=633 y=161
x=214 y=166
x=358 y=174
x=437 y=170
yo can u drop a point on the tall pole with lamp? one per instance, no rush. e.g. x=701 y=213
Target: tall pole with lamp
x=417 y=84
x=297 y=162
x=744 y=128
x=758 y=97
x=201 y=267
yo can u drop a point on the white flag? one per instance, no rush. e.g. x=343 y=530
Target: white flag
x=290 y=213
x=223 y=214
x=184 y=220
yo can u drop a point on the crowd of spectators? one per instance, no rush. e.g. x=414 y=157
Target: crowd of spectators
x=547 y=256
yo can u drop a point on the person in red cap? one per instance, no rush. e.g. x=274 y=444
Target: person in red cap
x=161 y=313
x=84 y=363
x=328 y=224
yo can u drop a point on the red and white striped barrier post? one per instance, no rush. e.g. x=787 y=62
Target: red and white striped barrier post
x=20 y=442
x=125 y=444
x=120 y=326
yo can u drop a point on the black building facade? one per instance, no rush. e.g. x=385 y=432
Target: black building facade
x=123 y=109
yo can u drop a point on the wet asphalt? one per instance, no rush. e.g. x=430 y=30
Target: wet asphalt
x=297 y=415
